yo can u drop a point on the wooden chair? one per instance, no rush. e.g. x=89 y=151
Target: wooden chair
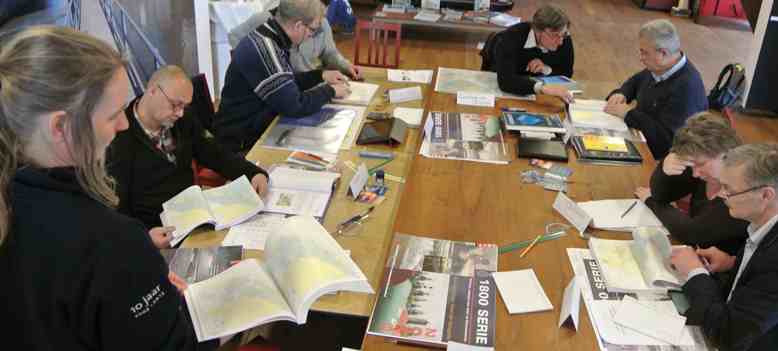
x=378 y=42
x=202 y=108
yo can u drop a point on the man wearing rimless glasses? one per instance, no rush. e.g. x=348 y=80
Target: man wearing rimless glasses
x=735 y=298
x=526 y=50
x=151 y=161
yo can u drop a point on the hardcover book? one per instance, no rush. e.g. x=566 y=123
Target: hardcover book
x=532 y=122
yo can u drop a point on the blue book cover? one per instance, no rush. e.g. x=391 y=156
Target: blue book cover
x=325 y=114
x=532 y=122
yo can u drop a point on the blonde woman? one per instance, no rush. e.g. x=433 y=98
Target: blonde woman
x=693 y=168
x=76 y=274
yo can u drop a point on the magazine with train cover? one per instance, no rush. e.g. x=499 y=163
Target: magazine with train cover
x=435 y=292
x=464 y=136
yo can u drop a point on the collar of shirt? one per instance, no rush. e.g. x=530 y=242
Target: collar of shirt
x=531 y=43
x=150 y=134
x=676 y=67
x=755 y=235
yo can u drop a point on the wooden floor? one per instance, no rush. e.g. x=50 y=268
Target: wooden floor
x=604 y=34
x=606 y=50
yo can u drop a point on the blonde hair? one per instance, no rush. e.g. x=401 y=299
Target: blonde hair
x=47 y=69
x=705 y=134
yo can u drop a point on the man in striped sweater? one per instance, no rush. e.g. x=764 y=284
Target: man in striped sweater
x=260 y=83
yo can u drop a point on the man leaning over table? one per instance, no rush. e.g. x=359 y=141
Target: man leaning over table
x=317 y=52
x=735 y=298
x=527 y=50
x=151 y=161
x=668 y=91
x=261 y=84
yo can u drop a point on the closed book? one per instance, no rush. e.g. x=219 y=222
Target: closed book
x=532 y=122
x=543 y=149
x=605 y=151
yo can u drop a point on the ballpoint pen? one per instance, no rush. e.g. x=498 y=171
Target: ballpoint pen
x=629 y=209
x=359 y=217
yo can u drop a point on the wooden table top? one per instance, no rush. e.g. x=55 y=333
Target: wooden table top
x=470 y=201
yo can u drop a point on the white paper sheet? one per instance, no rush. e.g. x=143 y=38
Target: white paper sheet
x=521 y=291
x=644 y=319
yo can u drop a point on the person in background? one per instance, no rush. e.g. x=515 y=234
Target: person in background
x=152 y=160
x=317 y=52
x=692 y=168
x=320 y=52
x=77 y=275
x=260 y=83
x=735 y=298
x=527 y=50
x=668 y=91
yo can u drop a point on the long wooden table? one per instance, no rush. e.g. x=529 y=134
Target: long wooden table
x=376 y=233
x=470 y=201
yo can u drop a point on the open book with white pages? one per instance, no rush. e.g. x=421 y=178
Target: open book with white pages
x=602 y=306
x=640 y=265
x=302 y=262
x=222 y=206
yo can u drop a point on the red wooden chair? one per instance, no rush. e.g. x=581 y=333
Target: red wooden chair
x=378 y=43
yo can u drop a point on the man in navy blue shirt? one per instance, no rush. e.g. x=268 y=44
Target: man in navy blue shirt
x=260 y=83
x=668 y=91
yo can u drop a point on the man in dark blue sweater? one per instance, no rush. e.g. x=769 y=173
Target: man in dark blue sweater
x=668 y=91
x=260 y=83
x=525 y=51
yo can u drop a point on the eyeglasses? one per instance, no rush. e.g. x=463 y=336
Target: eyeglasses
x=313 y=30
x=726 y=195
x=175 y=105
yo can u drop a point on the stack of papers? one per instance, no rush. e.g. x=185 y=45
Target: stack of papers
x=646 y=319
x=606 y=214
x=427 y=16
x=504 y=20
x=521 y=291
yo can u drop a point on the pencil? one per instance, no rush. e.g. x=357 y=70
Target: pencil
x=530 y=246
x=629 y=209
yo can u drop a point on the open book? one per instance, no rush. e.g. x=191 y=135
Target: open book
x=223 y=207
x=302 y=262
x=591 y=113
x=299 y=192
x=640 y=265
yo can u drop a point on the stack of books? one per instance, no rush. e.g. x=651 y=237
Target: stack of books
x=605 y=150
x=539 y=134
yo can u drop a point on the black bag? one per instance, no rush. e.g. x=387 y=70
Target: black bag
x=728 y=92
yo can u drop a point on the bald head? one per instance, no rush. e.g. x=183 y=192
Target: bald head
x=167 y=74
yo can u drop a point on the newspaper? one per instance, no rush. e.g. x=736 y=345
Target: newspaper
x=601 y=306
